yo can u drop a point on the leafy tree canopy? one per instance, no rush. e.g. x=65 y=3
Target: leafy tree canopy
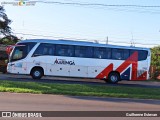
x=155 y=56
x=9 y=40
x=5 y=31
x=4 y=23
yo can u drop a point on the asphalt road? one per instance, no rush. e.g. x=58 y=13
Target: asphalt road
x=37 y=102
x=43 y=102
x=64 y=80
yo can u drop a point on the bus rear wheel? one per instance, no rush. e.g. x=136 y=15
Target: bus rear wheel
x=113 y=77
x=37 y=73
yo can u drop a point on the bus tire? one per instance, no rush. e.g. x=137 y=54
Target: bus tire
x=113 y=77
x=37 y=73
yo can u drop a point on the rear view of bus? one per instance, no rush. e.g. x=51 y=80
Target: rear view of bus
x=79 y=59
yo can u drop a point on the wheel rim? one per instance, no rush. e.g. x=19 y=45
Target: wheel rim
x=114 y=78
x=37 y=73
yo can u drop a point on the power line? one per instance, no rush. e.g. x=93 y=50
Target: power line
x=99 y=4
x=33 y=35
x=152 y=9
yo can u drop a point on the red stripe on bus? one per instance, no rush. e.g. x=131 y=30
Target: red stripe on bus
x=132 y=60
x=105 y=72
x=143 y=76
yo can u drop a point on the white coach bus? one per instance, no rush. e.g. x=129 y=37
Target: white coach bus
x=39 y=57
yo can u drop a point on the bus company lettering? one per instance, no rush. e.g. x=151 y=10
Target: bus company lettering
x=64 y=62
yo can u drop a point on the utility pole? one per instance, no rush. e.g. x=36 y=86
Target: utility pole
x=132 y=40
x=107 y=40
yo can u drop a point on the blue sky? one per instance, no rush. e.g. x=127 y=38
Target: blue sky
x=122 y=25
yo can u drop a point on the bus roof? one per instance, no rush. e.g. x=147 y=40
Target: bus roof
x=81 y=43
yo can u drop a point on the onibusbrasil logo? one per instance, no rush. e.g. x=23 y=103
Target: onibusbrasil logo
x=19 y=3
x=22 y=2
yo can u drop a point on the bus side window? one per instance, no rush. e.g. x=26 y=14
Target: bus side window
x=97 y=53
x=108 y=53
x=83 y=51
x=79 y=51
x=120 y=54
x=142 y=54
x=102 y=53
x=71 y=52
x=117 y=54
x=65 y=50
x=125 y=54
x=44 y=49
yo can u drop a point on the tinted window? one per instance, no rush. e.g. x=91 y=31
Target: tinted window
x=125 y=54
x=142 y=54
x=44 y=49
x=21 y=51
x=26 y=47
x=65 y=50
x=120 y=54
x=102 y=53
x=83 y=51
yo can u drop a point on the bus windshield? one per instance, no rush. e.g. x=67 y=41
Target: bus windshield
x=21 y=51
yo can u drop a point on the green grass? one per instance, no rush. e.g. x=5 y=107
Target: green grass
x=80 y=90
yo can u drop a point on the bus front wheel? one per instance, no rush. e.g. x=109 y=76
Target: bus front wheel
x=113 y=77
x=37 y=73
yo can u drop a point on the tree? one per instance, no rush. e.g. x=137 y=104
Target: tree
x=155 y=62
x=155 y=56
x=9 y=40
x=4 y=23
x=5 y=30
